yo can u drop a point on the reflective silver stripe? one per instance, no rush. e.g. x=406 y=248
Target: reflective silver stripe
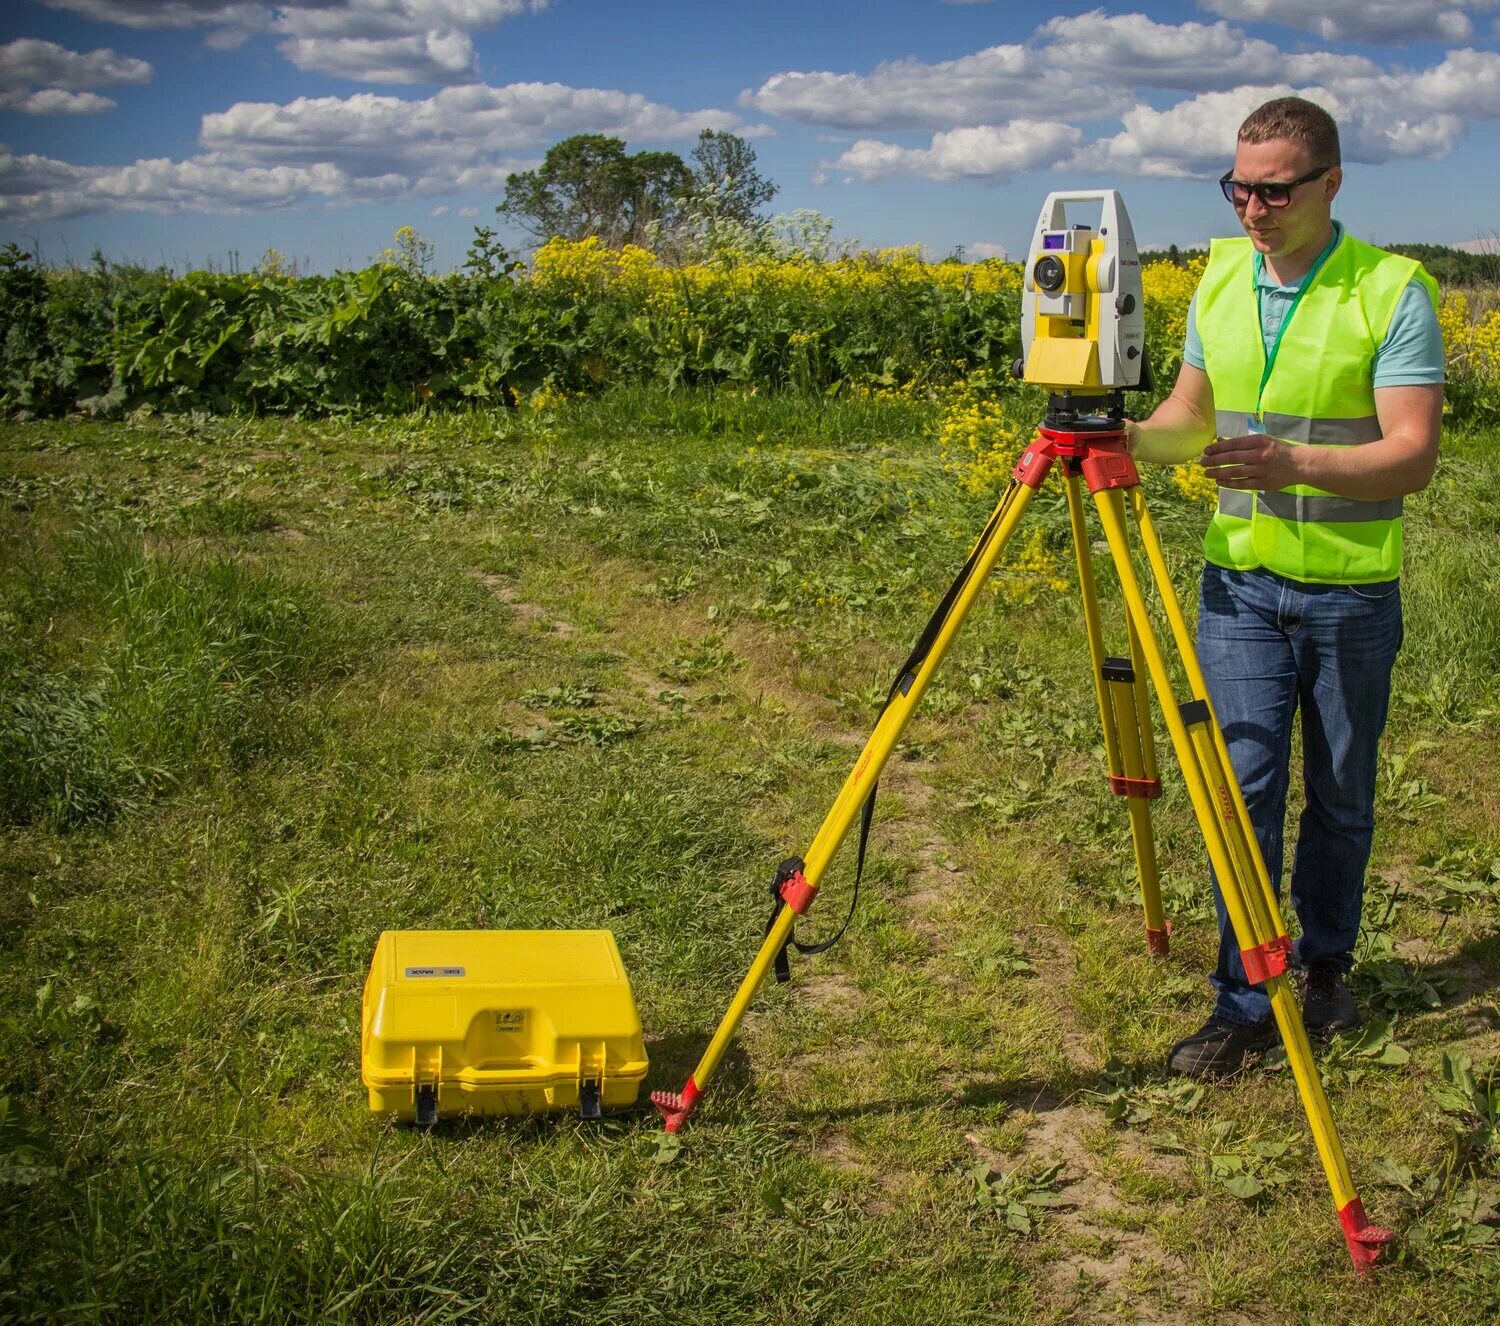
x=1296 y=428
x=1236 y=502
x=1240 y=504
x=1327 y=510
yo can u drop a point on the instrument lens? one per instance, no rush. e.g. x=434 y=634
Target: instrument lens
x=1049 y=274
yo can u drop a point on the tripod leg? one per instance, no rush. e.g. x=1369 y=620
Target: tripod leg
x=801 y=889
x=1120 y=689
x=1138 y=750
x=1234 y=852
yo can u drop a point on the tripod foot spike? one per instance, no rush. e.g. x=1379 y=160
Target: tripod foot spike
x=1366 y=1241
x=1157 y=941
x=676 y=1106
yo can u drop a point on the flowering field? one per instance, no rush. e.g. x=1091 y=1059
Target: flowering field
x=579 y=319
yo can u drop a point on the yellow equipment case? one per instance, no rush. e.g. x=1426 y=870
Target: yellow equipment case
x=499 y=1022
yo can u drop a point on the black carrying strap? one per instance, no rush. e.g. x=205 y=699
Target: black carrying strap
x=905 y=676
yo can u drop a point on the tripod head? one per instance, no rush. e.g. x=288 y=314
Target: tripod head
x=1086 y=412
x=1083 y=316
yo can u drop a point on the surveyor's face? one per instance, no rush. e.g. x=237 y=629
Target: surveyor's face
x=1278 y=231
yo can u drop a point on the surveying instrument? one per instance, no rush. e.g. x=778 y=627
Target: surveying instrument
x=1082 y=336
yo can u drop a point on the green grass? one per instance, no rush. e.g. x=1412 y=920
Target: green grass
x=271 y=688
x=176 y=668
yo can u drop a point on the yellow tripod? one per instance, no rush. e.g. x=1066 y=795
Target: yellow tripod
x=1092 y=451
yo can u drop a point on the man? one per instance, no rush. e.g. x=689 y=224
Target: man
x=1311 y=386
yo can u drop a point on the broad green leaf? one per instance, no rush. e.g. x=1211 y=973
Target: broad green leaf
x=1388 y=1171
x=1244 y=1186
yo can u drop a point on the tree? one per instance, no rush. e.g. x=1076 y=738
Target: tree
x=587 y=185
x=726 y=184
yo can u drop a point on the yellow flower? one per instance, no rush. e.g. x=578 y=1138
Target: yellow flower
x=1192 y=481
x=546 y=399
x=1169 y=289
x=1471 y=337
x=1031 y=568
x=978 y=441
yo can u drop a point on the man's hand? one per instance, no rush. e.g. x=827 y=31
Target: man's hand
x=1253 y=461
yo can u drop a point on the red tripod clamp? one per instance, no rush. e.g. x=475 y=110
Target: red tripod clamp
x=1096 y=445
x=1267 y=960
x=1366 y=1241
x=675 y=1106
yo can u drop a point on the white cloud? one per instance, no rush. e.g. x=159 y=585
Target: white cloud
x=442 y=56
x=1072 y=68
x=1421 y=113
x=988 y=87
x=983 y=249
x=1192 y=57
x=454 y=129
x=167 y=14
x=46 y=64
x=362 y=147
x=395 y=18
x=55 y=101
x=40 y=188
x=1466 y=82
x=1194 y=137
x=997 y=112
x=227 y=39
x=1359 y=20
x=1381 y=117
x=43 y=78
x=374 y=41
x=988 y=152
x=305 y=18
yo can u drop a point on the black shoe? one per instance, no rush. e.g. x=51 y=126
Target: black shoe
x=1328 y=1009
x=1219 y=1047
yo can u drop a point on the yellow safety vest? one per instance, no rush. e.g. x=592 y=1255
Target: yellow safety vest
x=1316 y=388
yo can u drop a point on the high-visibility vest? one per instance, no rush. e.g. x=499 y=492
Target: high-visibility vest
x=1320 y=392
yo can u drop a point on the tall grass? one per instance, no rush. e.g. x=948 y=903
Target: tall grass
x=194 y=1237
x=182 y=665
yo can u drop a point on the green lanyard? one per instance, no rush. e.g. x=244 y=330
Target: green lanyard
x=1258 y=267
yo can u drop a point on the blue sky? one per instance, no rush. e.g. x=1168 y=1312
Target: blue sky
x=181 y=131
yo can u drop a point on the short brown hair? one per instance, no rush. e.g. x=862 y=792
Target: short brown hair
x=1298 y=120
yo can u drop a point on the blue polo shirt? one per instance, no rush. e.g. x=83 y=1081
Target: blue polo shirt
x=1410 y=356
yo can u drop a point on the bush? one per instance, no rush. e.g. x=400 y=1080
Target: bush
x=392 y=338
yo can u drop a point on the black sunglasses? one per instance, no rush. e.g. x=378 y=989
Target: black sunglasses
x=1270 y=195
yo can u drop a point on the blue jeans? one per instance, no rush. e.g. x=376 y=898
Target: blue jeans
x=1268 y=647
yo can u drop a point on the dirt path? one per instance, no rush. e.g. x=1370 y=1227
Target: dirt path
x=1096 y=1255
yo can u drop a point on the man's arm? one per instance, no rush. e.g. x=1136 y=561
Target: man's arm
x=1181 y=426
x=1401 y=462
